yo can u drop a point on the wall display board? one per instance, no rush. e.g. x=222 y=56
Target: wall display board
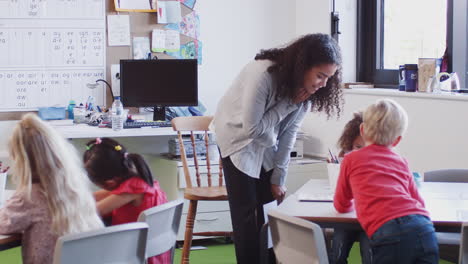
x=49 y=51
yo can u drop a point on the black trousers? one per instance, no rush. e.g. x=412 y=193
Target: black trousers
x=247 y=196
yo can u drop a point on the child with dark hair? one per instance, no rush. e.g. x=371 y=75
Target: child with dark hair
x=377 y=183
x=127 y=182
x=343 y=239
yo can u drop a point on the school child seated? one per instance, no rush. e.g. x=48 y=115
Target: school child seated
x=343 y=239
x=127 y=182
x=379 y=184
x=53 y=195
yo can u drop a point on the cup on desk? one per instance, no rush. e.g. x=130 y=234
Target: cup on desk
x=3 y=179
x=418 y=179
x=333 y=170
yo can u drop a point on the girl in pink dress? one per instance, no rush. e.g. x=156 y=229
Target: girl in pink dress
x=127 y=182
x=53 y=195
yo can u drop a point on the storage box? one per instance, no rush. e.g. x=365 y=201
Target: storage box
x=174 y=147
x=51 y=113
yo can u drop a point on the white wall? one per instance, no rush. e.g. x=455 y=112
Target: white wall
x=435 y=137
x=232 y=33
x=347 y=10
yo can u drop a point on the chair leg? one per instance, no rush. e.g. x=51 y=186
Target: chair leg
x=192 y=211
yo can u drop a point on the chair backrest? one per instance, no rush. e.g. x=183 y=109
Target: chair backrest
x=196 y=127
x=463 y=258
x=163 y=221
x=446 y=175
x=109 y=245
x=296 y=240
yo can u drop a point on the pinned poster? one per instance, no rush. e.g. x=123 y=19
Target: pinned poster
x=190 y=50
x=165 y=40
x=169 y=12
x=188 y=3
x=135 y=5
x=118 y=29
x=190 y=25
x=141 y=48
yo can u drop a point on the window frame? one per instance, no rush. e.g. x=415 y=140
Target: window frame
x=370 y=40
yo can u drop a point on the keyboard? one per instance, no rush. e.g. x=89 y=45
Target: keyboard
x=139 y=124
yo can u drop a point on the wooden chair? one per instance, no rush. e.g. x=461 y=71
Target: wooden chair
x=197 y=126
x=463 y=255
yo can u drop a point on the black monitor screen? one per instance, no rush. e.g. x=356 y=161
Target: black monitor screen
x=162 y=82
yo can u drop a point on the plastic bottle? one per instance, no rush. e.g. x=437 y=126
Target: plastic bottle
x=117 y=114
x=70 y=107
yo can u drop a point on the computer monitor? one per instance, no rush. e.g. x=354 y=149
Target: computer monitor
x=159 y=83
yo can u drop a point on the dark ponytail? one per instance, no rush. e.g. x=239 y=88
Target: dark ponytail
x=142 y=167
x=106 y=159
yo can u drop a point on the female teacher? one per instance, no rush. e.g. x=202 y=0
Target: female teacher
x=256 y=123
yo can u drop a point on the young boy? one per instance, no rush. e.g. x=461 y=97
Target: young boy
x=388 y=205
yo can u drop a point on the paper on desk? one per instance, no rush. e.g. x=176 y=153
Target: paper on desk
x=266 y=208
x=315 y=197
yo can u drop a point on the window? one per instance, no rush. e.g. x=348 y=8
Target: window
x=396 y=32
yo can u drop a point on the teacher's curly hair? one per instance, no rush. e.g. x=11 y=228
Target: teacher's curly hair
x=293 y=61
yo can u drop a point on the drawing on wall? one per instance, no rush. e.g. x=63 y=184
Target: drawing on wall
x=165 y=40
x=141 y=48
x=190 y=50
x=189 y=3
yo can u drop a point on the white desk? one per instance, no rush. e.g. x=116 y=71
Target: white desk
x=446 y=202
x=86 y=131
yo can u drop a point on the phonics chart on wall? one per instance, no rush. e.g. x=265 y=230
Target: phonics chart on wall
x=49 y=51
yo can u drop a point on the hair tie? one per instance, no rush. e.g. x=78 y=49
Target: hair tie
x=97 y=142
x=126 y=155
x=118 y=148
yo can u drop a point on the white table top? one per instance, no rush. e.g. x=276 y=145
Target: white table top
x=446 y=202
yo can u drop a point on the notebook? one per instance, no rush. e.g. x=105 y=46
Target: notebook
x=315 y=197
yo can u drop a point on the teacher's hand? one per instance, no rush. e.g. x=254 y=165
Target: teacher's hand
x=301 y=96
x=278 y=192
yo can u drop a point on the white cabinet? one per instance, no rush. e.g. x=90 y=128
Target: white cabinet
x=211 y=215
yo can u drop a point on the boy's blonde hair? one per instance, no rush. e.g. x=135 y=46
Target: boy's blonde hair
x=384 y=121
x=40 y=154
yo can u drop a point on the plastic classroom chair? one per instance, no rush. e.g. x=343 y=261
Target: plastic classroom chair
x=446 y=238
x=201 y=191
x=463 y=259
x=111 y=245
x=296 y=240
x=163 y=221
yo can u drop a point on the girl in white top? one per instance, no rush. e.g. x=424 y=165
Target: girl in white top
x=52 y=198
x=256 y=124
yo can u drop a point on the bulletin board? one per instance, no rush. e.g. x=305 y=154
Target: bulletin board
x=49 y=52
x=33 y=73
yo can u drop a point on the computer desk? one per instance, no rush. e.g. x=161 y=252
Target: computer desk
x=446 y=202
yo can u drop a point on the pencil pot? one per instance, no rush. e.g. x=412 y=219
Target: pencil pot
x=401 y=78
x=333 y=170
x=411 y=77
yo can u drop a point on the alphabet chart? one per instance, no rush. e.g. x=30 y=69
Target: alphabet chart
x=49 y=51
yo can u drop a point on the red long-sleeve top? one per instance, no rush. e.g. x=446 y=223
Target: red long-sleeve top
x=378 y=182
